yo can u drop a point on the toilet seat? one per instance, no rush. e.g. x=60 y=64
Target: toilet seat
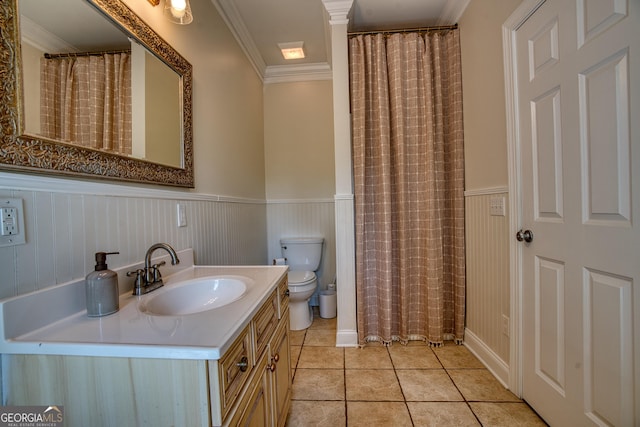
x=301 y=278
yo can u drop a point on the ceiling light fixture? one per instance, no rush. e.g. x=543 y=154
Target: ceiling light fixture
x=292 y=50
x=178 y=11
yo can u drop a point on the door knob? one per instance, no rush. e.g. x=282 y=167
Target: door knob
x=526 y=236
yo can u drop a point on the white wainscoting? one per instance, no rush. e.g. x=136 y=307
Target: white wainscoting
x=304 y=218
x=487 y=252
x=68 y=221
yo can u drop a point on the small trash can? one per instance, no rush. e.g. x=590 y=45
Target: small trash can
x=328 y=301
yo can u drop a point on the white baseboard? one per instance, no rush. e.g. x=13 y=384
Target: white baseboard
x=498 y=367
x=347 y=338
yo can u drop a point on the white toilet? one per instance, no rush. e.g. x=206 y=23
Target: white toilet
x=303 y=257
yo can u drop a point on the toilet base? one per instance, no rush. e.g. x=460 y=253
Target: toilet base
x=300 y=315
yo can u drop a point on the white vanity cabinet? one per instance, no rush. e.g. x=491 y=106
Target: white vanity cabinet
x=249 y=385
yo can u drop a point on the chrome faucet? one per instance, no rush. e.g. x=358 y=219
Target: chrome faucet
x=150 y=279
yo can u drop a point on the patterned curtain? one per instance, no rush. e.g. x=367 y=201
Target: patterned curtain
x=86 y=100
x=406 y=101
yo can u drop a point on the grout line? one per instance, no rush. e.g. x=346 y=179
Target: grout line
x=404 y=397
x=344 y=375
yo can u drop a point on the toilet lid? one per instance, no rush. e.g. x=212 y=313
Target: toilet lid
x=301 y=277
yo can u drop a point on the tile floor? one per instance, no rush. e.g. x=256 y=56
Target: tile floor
x=412 y=385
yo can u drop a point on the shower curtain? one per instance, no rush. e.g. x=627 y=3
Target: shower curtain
x=86 y=100
x=406 y=102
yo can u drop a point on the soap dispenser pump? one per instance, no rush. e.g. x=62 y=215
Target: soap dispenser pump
x=102 y=288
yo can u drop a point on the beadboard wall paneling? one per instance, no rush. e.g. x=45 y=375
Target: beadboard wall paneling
x=64 y=230
x=304 y=218
x=487 y=249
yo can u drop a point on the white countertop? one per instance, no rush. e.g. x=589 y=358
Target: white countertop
x=49 y=322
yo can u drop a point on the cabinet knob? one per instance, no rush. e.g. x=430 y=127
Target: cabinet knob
x=276 y=357
x=243 y=364
x=271 y=367
x=286 y=293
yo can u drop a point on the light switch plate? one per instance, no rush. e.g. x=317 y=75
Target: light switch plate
x=496 y=206
x=182 y=215
x=505 y=325
x=12 y=229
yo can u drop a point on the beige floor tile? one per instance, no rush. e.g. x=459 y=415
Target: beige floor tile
x=480 y=384
x=295 y=355
x=320 y=323
x=452 y=355
x=506 y=414
x=378 y=414
x=413 y=356
x=427 y=385
x=297 y=337
x=372 y=384
x=367 y=358
x=438 y=414
x=305 y=413
x=318 y=384
x=320 y=337
x=321 y=357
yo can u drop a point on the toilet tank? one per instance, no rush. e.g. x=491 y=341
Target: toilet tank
x=302 y=253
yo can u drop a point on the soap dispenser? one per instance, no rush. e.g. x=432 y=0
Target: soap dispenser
x=102 y=288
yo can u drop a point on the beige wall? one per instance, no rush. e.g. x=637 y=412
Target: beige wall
x=488 y=288
x=483 y=92
x=162 y=113
x=31 y=91
x=298 y=134
x=227 y=101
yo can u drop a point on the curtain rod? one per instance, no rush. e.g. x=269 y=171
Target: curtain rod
x=405 y=30
x=76 y=54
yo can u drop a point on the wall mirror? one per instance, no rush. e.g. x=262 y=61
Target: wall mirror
x=141 y=131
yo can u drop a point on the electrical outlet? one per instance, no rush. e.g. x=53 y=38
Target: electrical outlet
x=9 y=220
x=12 y=230
x=505 y=325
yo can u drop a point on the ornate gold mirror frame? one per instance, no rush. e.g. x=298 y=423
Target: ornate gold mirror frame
x=26 y=153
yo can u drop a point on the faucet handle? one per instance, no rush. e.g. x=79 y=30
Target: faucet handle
x=157 y=276
x=139 y=282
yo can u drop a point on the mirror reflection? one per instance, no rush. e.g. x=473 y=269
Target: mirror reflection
x=88 y=83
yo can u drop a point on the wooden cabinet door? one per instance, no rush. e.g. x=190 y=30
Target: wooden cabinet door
x=234 y=369
x=255 y=410
x=281 y=371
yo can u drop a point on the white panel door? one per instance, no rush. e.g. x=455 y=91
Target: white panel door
x=578 y=87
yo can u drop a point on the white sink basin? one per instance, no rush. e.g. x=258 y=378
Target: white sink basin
x=195 y=295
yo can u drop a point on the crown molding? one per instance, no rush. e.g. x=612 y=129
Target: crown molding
x=452 y=12
x=338 y=10
x=297 y=73
x=274 y=73
x=229 y=13
x=42 y=39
